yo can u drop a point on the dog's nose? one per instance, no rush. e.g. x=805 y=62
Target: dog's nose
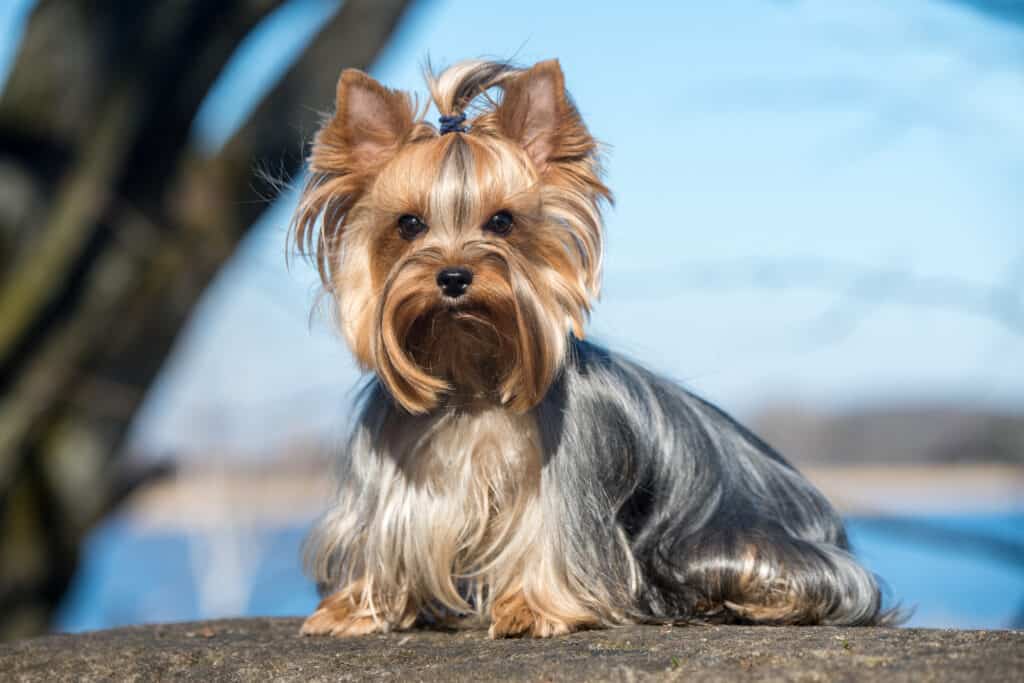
x=454 y=281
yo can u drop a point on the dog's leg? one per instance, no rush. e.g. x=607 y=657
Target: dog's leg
x=512 y=615
x=540 y=602
x=781 y=580
x=352 y=612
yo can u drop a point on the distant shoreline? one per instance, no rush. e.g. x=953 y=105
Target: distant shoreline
x=921 y=489
x=199 y=497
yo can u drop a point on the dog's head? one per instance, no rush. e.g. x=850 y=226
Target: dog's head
x=460 y=259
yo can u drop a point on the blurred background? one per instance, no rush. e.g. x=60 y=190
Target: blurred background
x=819 y=225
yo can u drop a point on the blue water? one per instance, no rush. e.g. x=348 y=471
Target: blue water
x=962 y=572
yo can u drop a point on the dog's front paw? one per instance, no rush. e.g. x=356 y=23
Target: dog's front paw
x=511 y=617
x=339 y=615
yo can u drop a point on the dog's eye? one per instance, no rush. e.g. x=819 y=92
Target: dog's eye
x=500 y=223
x=409 y=226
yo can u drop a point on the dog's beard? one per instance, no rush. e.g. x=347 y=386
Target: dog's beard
x=466 y=347
x=500 y=344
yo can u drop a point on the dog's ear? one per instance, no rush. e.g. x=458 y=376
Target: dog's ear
x=536 y=112
x=368 y=126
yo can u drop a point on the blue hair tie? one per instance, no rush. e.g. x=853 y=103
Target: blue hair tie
x=453 y=124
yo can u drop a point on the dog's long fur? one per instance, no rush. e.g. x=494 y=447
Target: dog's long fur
x=501 y=467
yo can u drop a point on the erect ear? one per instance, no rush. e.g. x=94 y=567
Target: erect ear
x=535 y=111
x=368 y=126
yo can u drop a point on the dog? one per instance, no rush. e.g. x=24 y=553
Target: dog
x=502 y=470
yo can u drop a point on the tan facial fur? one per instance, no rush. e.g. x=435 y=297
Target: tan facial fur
x=529 y=155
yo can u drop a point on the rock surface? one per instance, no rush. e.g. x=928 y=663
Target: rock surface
x=271 y=649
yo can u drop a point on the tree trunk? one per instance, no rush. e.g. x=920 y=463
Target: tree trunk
x=111 y=226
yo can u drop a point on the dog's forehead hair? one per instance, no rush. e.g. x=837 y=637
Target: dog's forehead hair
x=455 y=182
x=455 y=194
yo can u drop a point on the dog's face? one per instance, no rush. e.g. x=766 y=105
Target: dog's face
x=459 y=262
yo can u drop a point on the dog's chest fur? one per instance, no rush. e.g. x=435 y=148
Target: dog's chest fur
x=462 y=515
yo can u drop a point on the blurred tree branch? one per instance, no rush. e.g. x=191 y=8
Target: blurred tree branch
x=111 y=226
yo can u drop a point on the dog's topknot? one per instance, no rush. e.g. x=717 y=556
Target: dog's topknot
x=454 y=89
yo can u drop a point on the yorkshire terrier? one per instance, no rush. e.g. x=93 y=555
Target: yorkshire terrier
x=501 y=469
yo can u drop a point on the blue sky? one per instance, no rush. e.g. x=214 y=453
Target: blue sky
x=814 y=202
